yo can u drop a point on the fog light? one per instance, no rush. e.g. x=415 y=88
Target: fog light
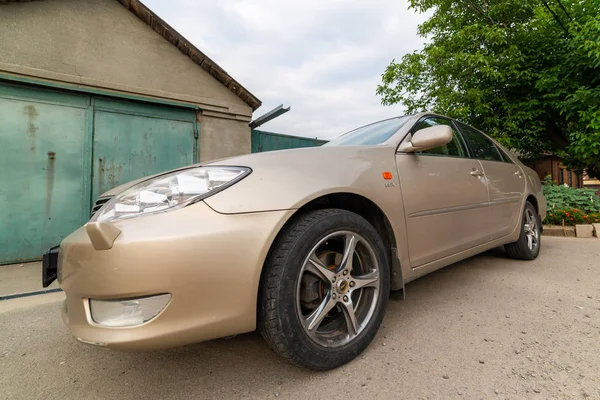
x=127 y=312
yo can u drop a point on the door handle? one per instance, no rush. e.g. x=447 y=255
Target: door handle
x=476 y=173
x=518 y=173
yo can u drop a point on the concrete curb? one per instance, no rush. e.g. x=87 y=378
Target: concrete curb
x=578 y=231
x=557 y=230
x=584 y=230
x=596 y=230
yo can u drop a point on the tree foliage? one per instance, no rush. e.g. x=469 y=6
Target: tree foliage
x=525 y=71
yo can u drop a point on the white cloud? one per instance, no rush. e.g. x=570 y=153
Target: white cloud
x=322 y=57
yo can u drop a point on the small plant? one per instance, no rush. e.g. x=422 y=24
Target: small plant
x=548 y=181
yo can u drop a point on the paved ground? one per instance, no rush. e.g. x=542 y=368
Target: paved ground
x=486 y=328
x=21 y=278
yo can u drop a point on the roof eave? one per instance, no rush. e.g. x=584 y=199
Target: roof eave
x=188 y=49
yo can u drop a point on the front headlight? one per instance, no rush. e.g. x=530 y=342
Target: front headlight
x=171 y=191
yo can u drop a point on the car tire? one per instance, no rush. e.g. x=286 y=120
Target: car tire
x=530 y=239
x=308 y=249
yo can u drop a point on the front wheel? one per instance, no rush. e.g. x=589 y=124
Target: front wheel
x=528 y=245
x=324 y=289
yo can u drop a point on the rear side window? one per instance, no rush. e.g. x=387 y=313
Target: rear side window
x=505 y=156
x=483 y=148
x=455 y=148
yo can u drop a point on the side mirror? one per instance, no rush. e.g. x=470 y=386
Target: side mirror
x=427 y=138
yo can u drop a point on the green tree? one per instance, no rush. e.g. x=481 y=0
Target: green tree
x=525 y=71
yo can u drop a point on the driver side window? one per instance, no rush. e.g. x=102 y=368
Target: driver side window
x=455 y=148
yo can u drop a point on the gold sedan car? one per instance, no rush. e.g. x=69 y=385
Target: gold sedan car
x=305 y=244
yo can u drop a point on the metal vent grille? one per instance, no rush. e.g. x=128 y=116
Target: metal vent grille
x=99 y=203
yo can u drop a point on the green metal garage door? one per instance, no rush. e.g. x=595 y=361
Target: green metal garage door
x=60 y=150
x=133 y=140
x=41 y=170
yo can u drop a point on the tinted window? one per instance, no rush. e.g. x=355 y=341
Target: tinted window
x=483 y=148
x=372 y=134
x=454 y=148
x=505 y=156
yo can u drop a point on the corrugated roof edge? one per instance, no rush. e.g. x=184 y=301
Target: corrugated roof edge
x=187 y=48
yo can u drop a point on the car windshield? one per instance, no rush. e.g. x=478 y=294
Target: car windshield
x=372 y=134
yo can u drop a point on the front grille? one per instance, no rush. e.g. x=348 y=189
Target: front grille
x=99 y=203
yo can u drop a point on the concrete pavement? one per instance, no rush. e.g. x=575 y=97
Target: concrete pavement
x=22 y=278
x=487 y=327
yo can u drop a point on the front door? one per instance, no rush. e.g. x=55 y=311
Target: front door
x=445 y=198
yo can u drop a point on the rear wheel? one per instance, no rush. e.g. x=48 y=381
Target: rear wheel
x=528 y=245
x=324 y=289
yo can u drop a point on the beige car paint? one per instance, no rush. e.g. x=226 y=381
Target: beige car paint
x=425 y=139
x=506 y=187
x=441 y=205
x=209 y=262
x=102 y=234
x=209 y=255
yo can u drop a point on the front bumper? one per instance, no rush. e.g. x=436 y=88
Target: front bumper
x=209 y=262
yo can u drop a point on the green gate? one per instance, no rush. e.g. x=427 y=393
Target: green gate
x=60 y=150
x=42 y=189
x=268 y=141
x=135 y=140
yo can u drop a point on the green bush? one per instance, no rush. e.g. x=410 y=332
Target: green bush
x=566 y=198
x=568 y=205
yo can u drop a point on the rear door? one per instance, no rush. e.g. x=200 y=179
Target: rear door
x=445 y=198
x=505 y=182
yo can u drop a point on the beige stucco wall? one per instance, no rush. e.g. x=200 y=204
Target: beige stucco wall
x=101 y=44
x=212 y=132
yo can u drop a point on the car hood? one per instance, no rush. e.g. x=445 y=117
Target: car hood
x=256 y=160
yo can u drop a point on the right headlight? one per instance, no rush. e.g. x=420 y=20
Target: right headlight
x=171 y=191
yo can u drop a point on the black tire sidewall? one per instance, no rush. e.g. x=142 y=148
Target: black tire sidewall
x=306 y=351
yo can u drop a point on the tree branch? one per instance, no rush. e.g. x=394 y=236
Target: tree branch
x=564 y=10
x=474 y=7
x=555 y=17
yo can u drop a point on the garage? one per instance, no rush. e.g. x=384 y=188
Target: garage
x=61 y=150
x=94 y=94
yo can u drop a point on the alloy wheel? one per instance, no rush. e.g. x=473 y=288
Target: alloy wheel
x=531 y=230
x=338 y=288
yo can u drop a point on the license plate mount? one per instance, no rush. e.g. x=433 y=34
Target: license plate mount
x=50 y=266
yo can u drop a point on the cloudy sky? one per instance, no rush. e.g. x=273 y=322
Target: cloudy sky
x=324 y=58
